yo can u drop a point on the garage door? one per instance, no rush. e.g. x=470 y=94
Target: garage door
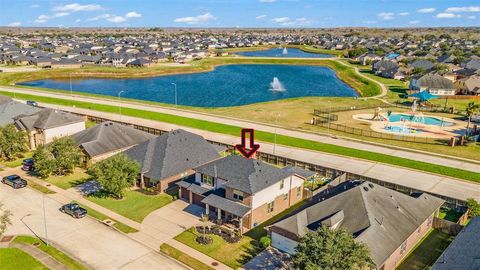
x=282 y=243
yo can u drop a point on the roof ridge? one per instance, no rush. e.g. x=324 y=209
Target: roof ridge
x=151 y=145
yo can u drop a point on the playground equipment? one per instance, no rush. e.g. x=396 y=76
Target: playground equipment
x=377 y=116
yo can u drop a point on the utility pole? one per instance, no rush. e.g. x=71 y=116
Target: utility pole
x=120 y=105
x=275 y=133
x=45 y=220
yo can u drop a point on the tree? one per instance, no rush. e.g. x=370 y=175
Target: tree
x=418 y=70
x=328 y=248
x=59 y=157
x=44 y=161
x=67 y=155
x=470 y=110
x=473 y=207
x=12 y=142
x=4 y=219
x=116 y=174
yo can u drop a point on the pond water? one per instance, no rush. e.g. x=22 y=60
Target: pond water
x=228 y=85
x=284 y=52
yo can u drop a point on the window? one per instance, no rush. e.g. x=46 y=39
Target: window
x=403 y=247
x=285 y=196
x=282 y=184
x=270 y=207
x=238 y=195
x=299 y=191
x=207 y=179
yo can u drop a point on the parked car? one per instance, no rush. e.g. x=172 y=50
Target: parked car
x=14 y=181
x=74 y=210
x=28 y=165
x=32 y=103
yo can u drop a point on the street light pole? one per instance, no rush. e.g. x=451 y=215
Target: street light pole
x=275 y=134
x=175 y=87
x=120 y=105
x=71 y=91
x=45 y=220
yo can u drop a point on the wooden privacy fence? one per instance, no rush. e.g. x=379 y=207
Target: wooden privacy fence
x=445 y=226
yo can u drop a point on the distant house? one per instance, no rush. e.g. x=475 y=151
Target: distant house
x=434 y=84
x=243 y=192
x=65 y=63
x=170 y=157
x=11 y=110
x=368 y=58
x=107 y=139
x=386 y=69
x=44 y=126
x=139 y=62
x=422 y=64
x=471 y=64
x=469 y=86
x=446 y=59
x=388 y=222
x=463 y=253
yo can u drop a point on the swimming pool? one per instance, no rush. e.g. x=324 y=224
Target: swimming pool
x=396 y=117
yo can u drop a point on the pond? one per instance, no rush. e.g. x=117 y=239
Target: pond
x=228 y=85
x=284 y=53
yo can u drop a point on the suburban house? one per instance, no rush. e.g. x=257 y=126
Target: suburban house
x=11 y=110
x=44 y=126
x=422 y=64
x=242 y=193
x=464 y=252
x=170 y=157
x=387 y=69
x=388 y=222
x=107 y=139
x=469 y=85
x=434 y=84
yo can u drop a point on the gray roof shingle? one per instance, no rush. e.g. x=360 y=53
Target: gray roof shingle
x=108 y=137
x=11 y=110
x=172 y=153
x=230 y=206
x=46 y=119
x=379 y=217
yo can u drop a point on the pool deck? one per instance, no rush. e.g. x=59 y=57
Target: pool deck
x=425 y=131
x=435 y=184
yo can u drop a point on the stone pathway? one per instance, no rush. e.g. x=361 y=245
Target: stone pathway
x=40 y=255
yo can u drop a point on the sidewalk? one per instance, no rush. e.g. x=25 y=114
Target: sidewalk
x=41 y=256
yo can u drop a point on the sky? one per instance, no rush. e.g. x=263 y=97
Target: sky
x=240 y=13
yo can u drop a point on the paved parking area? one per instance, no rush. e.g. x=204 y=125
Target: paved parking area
x=269 y=259
x=164 y=224
x=89 y=241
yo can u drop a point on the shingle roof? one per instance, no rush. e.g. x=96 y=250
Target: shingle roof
x=108 y=137
x=464 y=252
x=11 y=110
x=230 y=206
x=435 y=81
x=247 y=175
x=46 y=119
x=379 y=217
x=172 y=153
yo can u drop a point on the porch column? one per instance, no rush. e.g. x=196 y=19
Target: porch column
x=142 y=181
x=190 y=197
x=219 y=213
x=207 y=209
x=180 y=193
x=240 y=225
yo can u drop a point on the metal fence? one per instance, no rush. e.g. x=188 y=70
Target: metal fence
x=380 y=135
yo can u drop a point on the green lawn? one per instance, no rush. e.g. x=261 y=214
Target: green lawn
x=40 y=188
x=77 y=177
x=311 y=49
x=135 y=205
x=233 y=255
x=449 y=214
x=101 y=217
x=52 y=251
x=427 y=251
x=268 y=137
x=16 y=259
x=184 y=258
x=18 y=161
x=90 y=124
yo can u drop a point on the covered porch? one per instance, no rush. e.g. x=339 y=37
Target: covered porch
x=227 y=213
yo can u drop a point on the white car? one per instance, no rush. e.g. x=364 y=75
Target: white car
x=476 y=118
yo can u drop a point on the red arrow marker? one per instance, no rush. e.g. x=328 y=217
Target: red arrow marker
x=252 y=148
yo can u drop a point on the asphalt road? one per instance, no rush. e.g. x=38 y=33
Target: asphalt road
x=89 y=241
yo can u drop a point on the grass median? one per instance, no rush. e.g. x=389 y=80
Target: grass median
x=14 y=259
x=265 y=137
x=184 y=258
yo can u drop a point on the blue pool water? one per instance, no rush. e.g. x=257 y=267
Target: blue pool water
x=394 y=117
x=401 y=130
x=228 y=85
x=278 y=52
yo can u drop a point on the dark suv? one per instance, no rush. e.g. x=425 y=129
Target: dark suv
x=74 y=210
x=14 y=181
x=32 y=103
x=28 y=165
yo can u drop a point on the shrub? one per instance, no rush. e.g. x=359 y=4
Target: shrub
x=265 y=241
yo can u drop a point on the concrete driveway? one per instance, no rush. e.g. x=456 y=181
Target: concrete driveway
x=93 y=243
x=163 y=224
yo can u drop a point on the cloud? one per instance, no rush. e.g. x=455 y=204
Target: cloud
x=34 y=6
x=260 y=17
x=117 y=19
x=472 y=17
x=463 y=9
x=133 y=14
x=386 y=15
x=96 y=18
x=44 y=18
x=426 y=10
x=414 y=22
x=370 y=22
x=446 y=15
x=15 y=24
x=287 y=21
x=267 y=1
x=403 y=14
x=204 y=18
x=77 y=7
